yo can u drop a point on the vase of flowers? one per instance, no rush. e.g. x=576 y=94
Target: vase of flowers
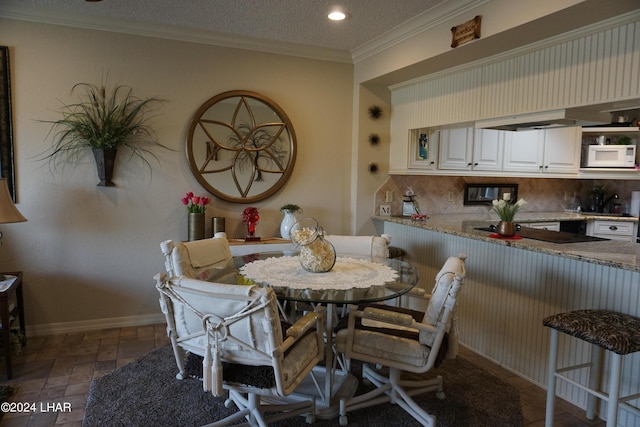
x=506 y=210
x=196 y=206
x=251 y=216
x=289 y=210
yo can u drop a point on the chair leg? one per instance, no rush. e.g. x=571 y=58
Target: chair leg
x=614 y=389
x=391 y=389
x=551 y=377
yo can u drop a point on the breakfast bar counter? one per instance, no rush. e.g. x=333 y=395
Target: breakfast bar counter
x=614 y=253
x=511 y=285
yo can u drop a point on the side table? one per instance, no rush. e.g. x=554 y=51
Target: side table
x=8 y=312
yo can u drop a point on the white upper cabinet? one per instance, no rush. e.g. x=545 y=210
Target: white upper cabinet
x=562 y=150
x=456 y=148
x=554 y=150
x=471 y=149
x=488 y=150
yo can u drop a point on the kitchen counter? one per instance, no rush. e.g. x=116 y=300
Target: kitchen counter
x=511 y=285
x=612 y=253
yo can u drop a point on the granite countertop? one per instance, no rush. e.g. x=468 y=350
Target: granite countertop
x=613 y=253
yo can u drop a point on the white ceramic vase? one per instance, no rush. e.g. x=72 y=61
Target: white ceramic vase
x=287 y=222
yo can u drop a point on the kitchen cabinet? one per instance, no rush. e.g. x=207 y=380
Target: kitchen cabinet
x=554 y=150
x=612 y=229
x=547 y=225
x=471 y=149
x=456 y=148
x=423 y=149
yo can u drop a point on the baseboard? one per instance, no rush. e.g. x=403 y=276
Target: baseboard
x=92 y=325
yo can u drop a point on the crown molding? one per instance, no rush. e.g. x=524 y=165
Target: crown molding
x=69 y=19
x=420 y=23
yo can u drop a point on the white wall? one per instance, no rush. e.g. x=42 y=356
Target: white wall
x=89 y=253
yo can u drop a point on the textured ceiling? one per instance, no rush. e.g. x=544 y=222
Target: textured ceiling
x=292 y=21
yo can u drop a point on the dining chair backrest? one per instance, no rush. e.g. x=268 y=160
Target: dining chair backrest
x=443 y=298
x=373 y=248
x=195 y=259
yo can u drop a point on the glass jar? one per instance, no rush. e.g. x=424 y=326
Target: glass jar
x=317 y=255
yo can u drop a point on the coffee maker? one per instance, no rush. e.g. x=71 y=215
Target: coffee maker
x=409 y=205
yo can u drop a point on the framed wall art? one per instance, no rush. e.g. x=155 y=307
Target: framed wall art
x=6 y=126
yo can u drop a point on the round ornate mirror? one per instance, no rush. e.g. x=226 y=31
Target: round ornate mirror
x=241 y=146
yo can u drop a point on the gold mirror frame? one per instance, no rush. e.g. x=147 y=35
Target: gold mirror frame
x=241 y=146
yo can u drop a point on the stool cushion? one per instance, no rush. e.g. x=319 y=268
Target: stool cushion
x=612 y=331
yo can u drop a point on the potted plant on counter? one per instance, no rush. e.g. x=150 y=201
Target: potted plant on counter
x=289 y=210
x=506 y=210
x=598 y=195
x=104 y=120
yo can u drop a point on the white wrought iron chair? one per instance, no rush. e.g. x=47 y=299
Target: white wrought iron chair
x=373 y=248
x=196 y=259
x=404 y=341
x=236 y=328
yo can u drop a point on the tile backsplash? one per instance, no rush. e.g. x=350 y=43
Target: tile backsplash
x=542 y=194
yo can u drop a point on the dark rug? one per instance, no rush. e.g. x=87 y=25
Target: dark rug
x=146 y=393
x=5 y=394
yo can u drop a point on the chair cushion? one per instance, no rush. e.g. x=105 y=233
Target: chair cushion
x=385 y=346
x=406 y=333
x=195 y=259
x=613 y=331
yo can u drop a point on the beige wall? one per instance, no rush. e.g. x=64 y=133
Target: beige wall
x=89 y=253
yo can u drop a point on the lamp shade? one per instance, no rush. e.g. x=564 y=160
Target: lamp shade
x=8 y=211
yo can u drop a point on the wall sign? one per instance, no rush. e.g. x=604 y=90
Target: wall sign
x=466 y=32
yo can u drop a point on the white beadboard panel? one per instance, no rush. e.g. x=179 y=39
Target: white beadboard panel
x=507 y=293
x=588 y=69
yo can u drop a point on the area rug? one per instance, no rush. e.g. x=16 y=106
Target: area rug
x=146 y=393
x=5 y=394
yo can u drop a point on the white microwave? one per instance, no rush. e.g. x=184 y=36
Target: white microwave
x=611 y=156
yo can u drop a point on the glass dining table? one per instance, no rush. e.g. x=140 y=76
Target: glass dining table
x=351 y=281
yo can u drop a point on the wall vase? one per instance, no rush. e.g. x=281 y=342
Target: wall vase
x=287 y=222
x=105 y=160
x=506 y=229
x=196 y=226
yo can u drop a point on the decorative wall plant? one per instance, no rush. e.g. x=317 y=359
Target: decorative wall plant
x=374 y=139
x=104 y=120
x=375 y=112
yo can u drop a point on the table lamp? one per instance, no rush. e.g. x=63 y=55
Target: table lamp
x=8 y=211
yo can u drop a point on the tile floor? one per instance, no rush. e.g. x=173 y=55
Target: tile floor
x=59 y=368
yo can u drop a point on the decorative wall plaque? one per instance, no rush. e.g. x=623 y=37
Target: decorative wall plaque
x=466 y=32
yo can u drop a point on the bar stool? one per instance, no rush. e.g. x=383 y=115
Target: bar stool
x=614 y=332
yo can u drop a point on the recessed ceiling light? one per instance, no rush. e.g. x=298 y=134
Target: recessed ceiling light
x=337 y=15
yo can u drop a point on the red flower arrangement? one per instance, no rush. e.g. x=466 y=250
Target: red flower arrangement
x=195 y=204
x=251 y=216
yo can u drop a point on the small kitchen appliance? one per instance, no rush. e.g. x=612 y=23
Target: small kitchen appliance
x=611 y=156
x=409 y=204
